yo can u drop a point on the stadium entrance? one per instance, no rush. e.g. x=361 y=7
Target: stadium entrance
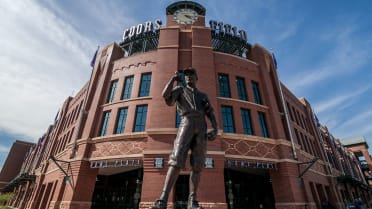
x=116 y=191
x=248 y=188
x=182 y=192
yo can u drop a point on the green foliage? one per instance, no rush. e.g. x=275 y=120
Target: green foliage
x=4 y=198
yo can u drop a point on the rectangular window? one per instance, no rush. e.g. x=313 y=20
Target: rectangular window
x=299 y=119
x=111 y=95
x=302 y=121
x=256 y=93
x=128 y=83
x=178 y=119
x=263 y=125
x=247 y=122
x=105 y=120
x=304 y=142
x=145 y=85
x=294 y=113
x=299 y=141
x=306 y=125
x=140 y=122
x=289 y=110
x=242 y=92
x=223 y=82
x=227 y=119
x=120 y=123
x=181 y=81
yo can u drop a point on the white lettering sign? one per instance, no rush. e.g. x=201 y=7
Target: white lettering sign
x=115 y=163
x=141 y=29
x=228 y=29
x=249 y=164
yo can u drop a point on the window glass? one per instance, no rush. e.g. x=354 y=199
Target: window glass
x=242 y=92
x=263 y=125
x=111 y=95
x=127 y=87
x=247 y=122
x=223 y=83
x=145 y=85
x=140 y=122
x=105 y=120
x=256 y=93
x=227 y=119
x=120 y=123
x=178 y=119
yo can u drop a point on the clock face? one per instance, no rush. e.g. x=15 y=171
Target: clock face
x=185 y=16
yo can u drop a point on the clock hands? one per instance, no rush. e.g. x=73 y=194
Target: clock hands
x=187 y=16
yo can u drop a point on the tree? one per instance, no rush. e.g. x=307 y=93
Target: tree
x=5 y=197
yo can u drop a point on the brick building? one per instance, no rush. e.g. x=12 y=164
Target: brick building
x=110 y=144
x=360 y=147
x=13 y=162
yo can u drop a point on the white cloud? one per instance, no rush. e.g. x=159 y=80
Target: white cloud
x=362 y=128
x=366 y=129
x=340 y=115
x=286 y=29
x=340 y=100
x=362 y=118
x=96 y=19
x=4 y=149
x=43 y=61
x=347 y=56
x=331 y=103
x=353 y=125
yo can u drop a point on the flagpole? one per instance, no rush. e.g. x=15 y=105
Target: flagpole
x=83 y=112
x=285 y=110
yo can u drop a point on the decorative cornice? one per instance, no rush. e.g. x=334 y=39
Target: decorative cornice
x=135 y=65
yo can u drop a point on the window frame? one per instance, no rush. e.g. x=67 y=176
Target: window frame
x=121 y=120
x=256 y=93
x=143 y=119
x=229 y=126
x=242 y=90
x=224 y=86
x=111 y=95
x=127 y=88
x=245 y=120
x=178 y=119
x=104 y=123
x=145 y=85
x=263 y=124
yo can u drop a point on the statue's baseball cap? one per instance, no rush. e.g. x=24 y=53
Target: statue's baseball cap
x=190 y=70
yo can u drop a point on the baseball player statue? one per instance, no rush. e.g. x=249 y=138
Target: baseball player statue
x=192 y=105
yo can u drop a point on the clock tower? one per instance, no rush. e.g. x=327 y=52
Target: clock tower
x=185 y=41
x=185 y=13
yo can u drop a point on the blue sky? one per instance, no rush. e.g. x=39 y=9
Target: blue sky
x=323 y=50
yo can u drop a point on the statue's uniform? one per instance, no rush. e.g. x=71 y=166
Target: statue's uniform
x=192 y=106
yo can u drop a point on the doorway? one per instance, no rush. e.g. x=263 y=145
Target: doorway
x=246 y=189
x=182 y=192
x=118 y=191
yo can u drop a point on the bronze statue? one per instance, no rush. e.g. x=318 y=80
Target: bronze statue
x=193 y=106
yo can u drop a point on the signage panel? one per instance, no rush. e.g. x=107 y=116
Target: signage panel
x=115 y=163
x=250 y=164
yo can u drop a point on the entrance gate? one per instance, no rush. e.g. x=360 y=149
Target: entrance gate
x=119 y=191
x=182 y=192
x=248 y=189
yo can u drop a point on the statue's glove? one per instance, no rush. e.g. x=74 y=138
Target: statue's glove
x=212 y=135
